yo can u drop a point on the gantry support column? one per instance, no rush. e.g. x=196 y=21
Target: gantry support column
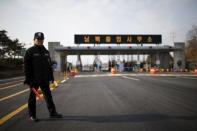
x=179 y=55
x=79 y=63
x=164 y=60
x=62 y=62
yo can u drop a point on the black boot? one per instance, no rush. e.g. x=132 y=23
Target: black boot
x=55 y=115
x=33 y=118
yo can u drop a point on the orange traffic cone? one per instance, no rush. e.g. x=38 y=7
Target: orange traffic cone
x=152 y=71
x=113 y=71
x=195 y=71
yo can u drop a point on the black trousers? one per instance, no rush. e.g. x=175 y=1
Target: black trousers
x=48 y=98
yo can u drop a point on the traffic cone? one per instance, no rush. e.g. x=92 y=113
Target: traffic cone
x=113 y=71
x=152 y=71
x=195 y=71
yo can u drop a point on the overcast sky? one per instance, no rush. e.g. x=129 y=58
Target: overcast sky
x=61 y=19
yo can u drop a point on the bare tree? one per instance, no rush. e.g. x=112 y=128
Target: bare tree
x=191 y=47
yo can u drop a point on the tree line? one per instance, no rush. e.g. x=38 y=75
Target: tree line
x=10 y=48
x=191 y=48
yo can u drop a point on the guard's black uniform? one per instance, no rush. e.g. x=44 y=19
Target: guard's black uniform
x=38 y=73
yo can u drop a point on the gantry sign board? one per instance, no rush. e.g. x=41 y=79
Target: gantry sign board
x=117 y=39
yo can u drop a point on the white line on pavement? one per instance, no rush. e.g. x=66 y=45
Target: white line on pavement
x=10 y=96
x=63 y=81
x=134 y=74
x=187 y=77
x=11 y=82
x=15 y=78
x=130 y=78
x=99 y=75
x=3 y=88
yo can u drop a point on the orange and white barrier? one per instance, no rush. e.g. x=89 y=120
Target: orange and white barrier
x=72 y=73
x=113 y=71
x=195 y=71
x=152 y=70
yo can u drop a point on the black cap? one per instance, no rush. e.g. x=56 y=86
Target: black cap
x=39 y=35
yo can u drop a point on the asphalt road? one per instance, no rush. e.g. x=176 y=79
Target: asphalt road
x=111 y=103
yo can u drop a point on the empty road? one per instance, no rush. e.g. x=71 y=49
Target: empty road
x=108 y=103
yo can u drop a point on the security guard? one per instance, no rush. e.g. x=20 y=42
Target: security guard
x=38 y=73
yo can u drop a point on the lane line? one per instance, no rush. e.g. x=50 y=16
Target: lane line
x=15 y=112
x=10 y=96
x=11 y=82
x=18 y=110
x=63 y=81
x=134 y=74
x=12 y=114
x=3 y=88
x=130 y=78
x=187 y=77
x=15 y=78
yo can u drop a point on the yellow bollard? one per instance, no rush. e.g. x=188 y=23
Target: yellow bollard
x=56 y=83
x=65 y=76
x=76 y=71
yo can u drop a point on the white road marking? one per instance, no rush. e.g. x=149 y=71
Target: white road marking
x=187 y=77
x=10 y=83
x=63 y=81
x=99 y=75
x=130 y=78
x=10 y=96
x=15 y=112
x=3 y=88
x=15 y=78
x=135 y=74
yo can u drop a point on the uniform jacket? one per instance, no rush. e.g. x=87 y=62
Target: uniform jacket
x=37 y=66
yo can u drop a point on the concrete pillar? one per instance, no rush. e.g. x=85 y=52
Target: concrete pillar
x=51 y=48
x=79 y=63
x=158 y=60
x=138 y=60
x=62 y=62
x=58 y=60
x=179 y=55
x=55 y=56
x=164 y=60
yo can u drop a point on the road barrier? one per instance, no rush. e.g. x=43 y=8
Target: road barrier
x=113 y=71
x=195 y=71
x=72 y=73
x=152 y=70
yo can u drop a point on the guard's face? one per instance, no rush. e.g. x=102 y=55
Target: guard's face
x=38 y=41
